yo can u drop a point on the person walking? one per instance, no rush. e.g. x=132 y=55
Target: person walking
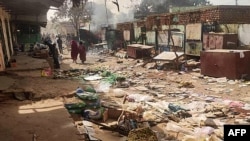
x=53 y=52
x=82 y=51
x=74 y=51
x=59 y=43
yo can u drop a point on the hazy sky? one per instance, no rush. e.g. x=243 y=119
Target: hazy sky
x=230 y=2
x=125 y=5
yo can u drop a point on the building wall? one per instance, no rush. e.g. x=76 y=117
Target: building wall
x=244 y=34
x=243 y=31
x=6 y=38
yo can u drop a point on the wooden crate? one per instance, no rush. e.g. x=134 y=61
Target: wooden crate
x=138 y=51
x=225 y=63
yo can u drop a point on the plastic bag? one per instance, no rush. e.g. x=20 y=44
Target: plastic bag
x=103 y=87
x=246 y=107
x=93 y=77
x=235 y=104
x=204 y=130
x=175 y=108
x=79 y=90
x=46 y=72
x=119 y=93
x=201 y=134
x=139 y=97
x=193 y=138
x=176 y=128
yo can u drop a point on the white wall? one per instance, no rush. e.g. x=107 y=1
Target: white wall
x=244 y=34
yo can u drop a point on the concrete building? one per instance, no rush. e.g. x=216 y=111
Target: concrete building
x=20 y=23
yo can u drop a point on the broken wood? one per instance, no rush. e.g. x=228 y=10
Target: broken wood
x=121 y=130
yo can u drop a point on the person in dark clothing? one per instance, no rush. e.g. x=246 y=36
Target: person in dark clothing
x=53 y=52
x=82 y=51
x=59 y=43
x=22 y=48
x=74 y=50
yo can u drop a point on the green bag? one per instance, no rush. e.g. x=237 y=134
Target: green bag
x=75 y=111
x=90 y=89
x=87 y=96
x=75 y=105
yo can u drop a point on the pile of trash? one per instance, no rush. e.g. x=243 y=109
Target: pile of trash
x=69 y=74
x=87 y=100
x=90 y=106
x=148 y=105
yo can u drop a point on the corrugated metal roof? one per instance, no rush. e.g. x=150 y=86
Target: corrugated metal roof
x=29 y=7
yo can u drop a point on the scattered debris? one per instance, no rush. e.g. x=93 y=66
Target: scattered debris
x=143 y=101
x=142 y=134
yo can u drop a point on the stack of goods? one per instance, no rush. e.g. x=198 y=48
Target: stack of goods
x=91 y=99
x=89 y=105
x=75 y=108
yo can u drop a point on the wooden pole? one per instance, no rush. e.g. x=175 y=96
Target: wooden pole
x=106 y=12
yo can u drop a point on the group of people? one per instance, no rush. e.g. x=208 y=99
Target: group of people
x=78 y=49
x=54 y=52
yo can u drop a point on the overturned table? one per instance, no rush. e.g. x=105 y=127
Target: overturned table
x=139 y=50
x=168 y=56
x=99 y=47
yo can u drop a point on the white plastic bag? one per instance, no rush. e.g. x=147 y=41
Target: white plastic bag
x=171 y=126
x=103 y=87
x=140 y=97
x=93 y=77
x=119 y=93
x=204 y=130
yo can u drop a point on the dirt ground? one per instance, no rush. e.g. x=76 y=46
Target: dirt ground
x=43 y=117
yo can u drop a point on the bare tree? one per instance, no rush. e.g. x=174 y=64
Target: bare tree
x=76 y=13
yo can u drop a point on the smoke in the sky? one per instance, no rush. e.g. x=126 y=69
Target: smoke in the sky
x=230 y=2
x=112 y=15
